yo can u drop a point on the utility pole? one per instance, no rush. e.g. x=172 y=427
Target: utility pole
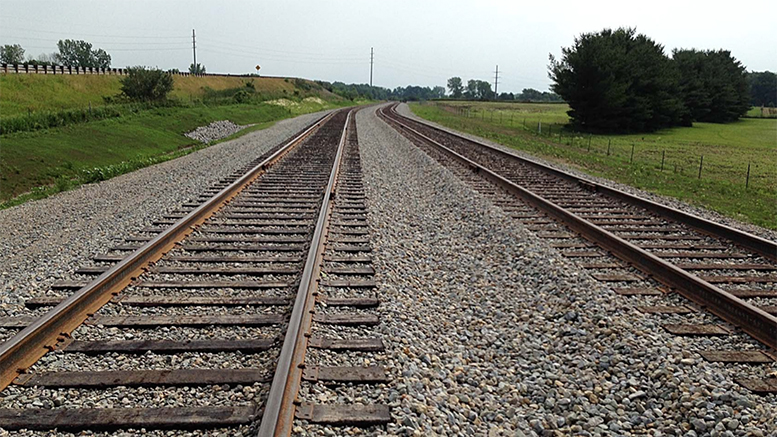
x=371 y=58
x=496 y=82
x=194 y=51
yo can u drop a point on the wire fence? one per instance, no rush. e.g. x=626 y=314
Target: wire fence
x=748 y=172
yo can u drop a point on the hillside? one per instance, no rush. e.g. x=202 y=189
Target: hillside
x=20 y=93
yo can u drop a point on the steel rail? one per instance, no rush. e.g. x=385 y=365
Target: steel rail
x=25 y=348
x=279 y=409
x=762 y=246
x=757 y=323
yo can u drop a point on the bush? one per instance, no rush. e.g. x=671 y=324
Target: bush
x=145 y=84
x=242 y=96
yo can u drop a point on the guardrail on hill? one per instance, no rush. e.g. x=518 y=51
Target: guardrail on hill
x=61 y=69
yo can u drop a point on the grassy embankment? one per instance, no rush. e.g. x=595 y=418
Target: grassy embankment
x=37 y=163
x=727 y=149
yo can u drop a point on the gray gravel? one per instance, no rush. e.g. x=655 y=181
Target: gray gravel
x=43 y=241
x=214 y=131
x=664 y=200
x=495 y=333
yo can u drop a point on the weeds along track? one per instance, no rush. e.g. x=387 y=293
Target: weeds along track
x=203 y=320
x=699 y=278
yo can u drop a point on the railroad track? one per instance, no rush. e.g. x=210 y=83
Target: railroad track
x=642 y=249
x=215 y=306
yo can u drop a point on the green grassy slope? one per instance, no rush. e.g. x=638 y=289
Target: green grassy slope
x=20 y=93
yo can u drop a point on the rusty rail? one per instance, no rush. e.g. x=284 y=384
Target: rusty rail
x=26 y=347
x=757 y=323
x=278 y=415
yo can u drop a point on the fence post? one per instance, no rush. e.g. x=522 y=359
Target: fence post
x=608 y=147
x=539 y=127
x=701 y=163
x=663 y=155
x=589 y=142
x=631 y=158
x=747 y=180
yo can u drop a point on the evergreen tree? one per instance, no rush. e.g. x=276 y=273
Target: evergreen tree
x=713 y=85
x=763 y=88
x=617 y=81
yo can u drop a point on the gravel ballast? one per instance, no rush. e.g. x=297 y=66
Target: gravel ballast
x=495 y=333
x=43 y=241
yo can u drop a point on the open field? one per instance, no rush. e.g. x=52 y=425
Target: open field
x=70 y=155
x=22 y=93
x=727 y=150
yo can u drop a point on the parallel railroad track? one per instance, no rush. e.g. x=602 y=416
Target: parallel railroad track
x=214 y=304
x=641 y=248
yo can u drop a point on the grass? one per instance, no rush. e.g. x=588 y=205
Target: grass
x=38 y=163
x=22 y=94
x=727 y=150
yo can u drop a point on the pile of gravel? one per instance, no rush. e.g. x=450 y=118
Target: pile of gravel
x=214 y=131
x=492 y=332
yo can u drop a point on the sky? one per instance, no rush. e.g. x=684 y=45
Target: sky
x=415 y=42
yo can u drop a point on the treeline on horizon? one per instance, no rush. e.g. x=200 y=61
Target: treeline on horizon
x=621 y=81
x=476 y=90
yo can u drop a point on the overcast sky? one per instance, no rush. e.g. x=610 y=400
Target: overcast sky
x=416 y=42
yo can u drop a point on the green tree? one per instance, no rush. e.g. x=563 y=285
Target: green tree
x=763 y=88
x=617 y=81
x=196 y=69
x=713 y=86
x=472 y=90
x=455 y=87
x=484 y=90
x=11 y=54
x=79 y=53
x=146 y=84
x=438 y=92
